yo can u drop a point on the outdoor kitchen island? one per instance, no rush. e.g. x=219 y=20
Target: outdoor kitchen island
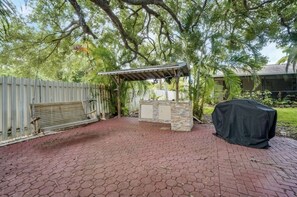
x=178 y=114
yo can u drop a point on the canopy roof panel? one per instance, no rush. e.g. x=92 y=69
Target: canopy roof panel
x=152 y=72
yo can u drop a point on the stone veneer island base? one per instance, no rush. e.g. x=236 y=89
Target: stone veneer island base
x=178 y=114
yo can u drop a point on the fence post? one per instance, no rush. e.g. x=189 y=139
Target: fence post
x=29 y=101
x=22 y=106
x=13 y=107
x=47 y=92
x=4 y=108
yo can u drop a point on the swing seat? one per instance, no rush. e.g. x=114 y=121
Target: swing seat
x=60 y=115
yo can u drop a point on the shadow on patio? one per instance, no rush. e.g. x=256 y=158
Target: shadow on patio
x=122 y=157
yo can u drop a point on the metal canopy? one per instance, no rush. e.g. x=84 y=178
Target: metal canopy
x=152 y=72
x=175 y=70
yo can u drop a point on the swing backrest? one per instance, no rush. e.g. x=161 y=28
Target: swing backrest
x=54 y=115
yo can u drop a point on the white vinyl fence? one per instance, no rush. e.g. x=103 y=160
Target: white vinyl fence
x=16 y=95
x=134 y=100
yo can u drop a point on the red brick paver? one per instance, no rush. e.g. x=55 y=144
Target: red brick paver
x=124 y=157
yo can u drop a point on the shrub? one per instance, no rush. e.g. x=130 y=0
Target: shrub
x=261 y=97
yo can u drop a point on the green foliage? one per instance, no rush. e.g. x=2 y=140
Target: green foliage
x=153 y=96
x=233 y=84
x=208 y=110
x=220 y=39
x=7 y=9
x=53 y=43
x=218 y=94
x=125 y=111
x=130 y=90
x=291 y=57
x=261 y=97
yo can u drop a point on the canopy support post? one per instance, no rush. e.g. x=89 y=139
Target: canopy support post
x=118 y=82
x=177 y=85
x=190 y=89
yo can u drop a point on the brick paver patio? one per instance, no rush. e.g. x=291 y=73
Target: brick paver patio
x=122 y=157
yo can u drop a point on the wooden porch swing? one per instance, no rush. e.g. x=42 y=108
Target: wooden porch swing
x=60 y=115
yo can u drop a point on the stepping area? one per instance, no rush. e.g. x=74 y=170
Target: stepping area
x=124 y=157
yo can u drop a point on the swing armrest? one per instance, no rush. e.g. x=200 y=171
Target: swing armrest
x=91 y=112
x=34 y=120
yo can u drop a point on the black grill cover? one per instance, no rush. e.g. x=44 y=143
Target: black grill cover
x=245 y=122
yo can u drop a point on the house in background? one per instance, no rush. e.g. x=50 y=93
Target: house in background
x=272 y=77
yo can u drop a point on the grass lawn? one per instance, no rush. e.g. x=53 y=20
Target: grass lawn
x=285 y=116
x=208 y=110
x=286 y=120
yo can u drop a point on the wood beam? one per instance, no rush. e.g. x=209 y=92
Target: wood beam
x=118 y=82
x=296 y=82
x=177 y=75
x=119 y=96
x=129 y=77
x=151 y=75
x=177 y=89
x=142 y=76
x=190 y=89
x=159 y=76
x=169 y=73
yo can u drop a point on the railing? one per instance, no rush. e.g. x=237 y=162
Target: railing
x=17 y=93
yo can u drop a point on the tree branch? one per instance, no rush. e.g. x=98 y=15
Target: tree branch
x=143 y=2
x=157 y=15
x=133 y=12
x=199 y=15
x=82 y=22
x=283 y=23
x=62 y=5
x=159 y=3
x=67 y=34
x=103 y=4
x=56 y=46
x=245 y=3
x=129 y=41
x=173 y=16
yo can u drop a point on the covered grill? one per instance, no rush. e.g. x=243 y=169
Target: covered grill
x=245 y=122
